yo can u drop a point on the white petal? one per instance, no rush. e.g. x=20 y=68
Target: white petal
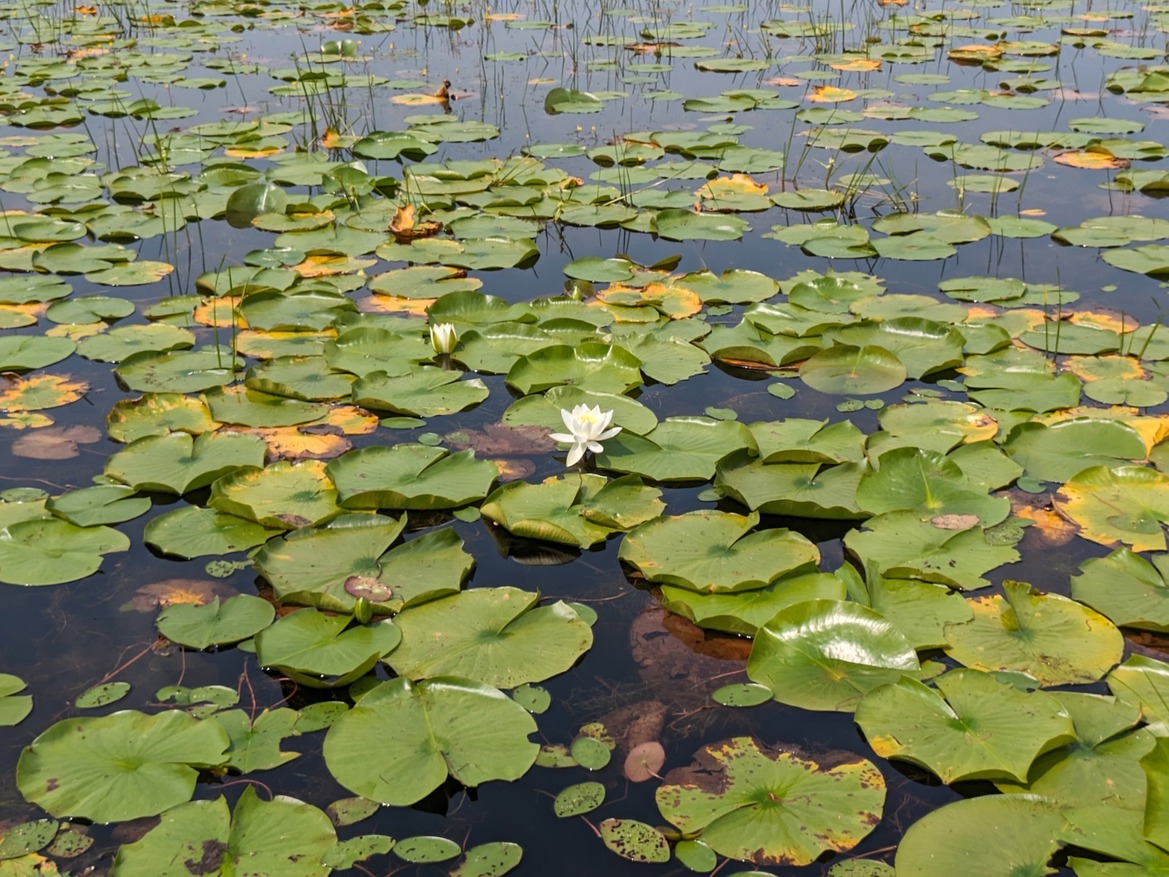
x=567 y=416
x=561 y=437
x=608 y=434
x=574 y=455
x=596 y=447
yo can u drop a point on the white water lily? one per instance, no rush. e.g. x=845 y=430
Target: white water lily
x=443 y=337
x=587 y=428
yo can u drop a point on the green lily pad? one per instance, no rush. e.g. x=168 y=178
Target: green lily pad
x=677 y=449
x=178 y=371
x=323 y=566
x=772 y=807
x=498 y=636
x=490 y=860
x=215 y=623
x=580 y=510
x=178 y=462
x=102 y=695
x=673 y=224
x=928 y=483
x=1127 y=588
x=973 y=727
x=1054 y=639
x=282 y=836
x=591 y=366
x=578 y=798
x=21 y=353
x=1062 y=450
x=197 y=532
x=14 y=706
x=744 y=612
x=714 y=552
x=445 y=726
x=902 y=545
x=119 y=767
x=318 y=650
x=845 y=369
x=826 y=654
x=100 y=504
x=410 y=477
x=425 y=392
x=810 y=490
x=53 y=551
x=1025 y=830
x=283 y=495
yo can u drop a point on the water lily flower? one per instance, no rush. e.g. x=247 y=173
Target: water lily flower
x=443 y=337
x=587 y=428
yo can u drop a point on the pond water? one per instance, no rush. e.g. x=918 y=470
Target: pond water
x=895 y=268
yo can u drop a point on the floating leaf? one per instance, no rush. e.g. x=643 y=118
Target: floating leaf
x=845 y=369
x=772 y=808
x=826 y=654
x=118 y=767
x=494 y=635
x=446 y=725
x=1054 y=639
x=283 y=836
x=322 y=650
x=1126 y=504
x=215 y=623
x=975 y=728
x=634 y=840
x=714 y=552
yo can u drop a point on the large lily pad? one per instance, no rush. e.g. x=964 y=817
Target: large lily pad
x=849 y=369
x=910 y=479
x=955 y=553
x=973 y=727
x=603 y=368
x=773 y=807
x=215 y=623
x=1052 y=638
x=715 y=552
x=442 y=726
x=117 y=767
x=1062 y=450
x=678 y=449
x=954 y=839
x=1129 y=589
x=498 y=636
x=826 y=654
x=580 y=510
x=424 y=392
x=322 y=650
x=410 y=477
x=1125 y=504
x=282 y=836
x=179 y=462
x=332 y=567
x=53 y=551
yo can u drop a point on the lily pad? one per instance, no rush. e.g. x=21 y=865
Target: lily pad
x=774 y=808
x=215 y=623
x=580 y=510
x=1123 y=504
x=321 y=650
x=973 y=727
x=282 y=836
x=410 y=477
x=845 y=369
x=119 y=767
x=444 y=726
x=715 y=552
x=178 y=462
x=826 y=654
x=1052 y=638
x=498 y=636
x=1130 y=590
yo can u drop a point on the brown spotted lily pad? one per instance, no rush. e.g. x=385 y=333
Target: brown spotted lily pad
x=773 y=807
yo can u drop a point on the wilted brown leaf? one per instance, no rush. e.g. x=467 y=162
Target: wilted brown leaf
x=55 y=442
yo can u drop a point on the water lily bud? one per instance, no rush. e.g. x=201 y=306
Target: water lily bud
x=443 y=337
